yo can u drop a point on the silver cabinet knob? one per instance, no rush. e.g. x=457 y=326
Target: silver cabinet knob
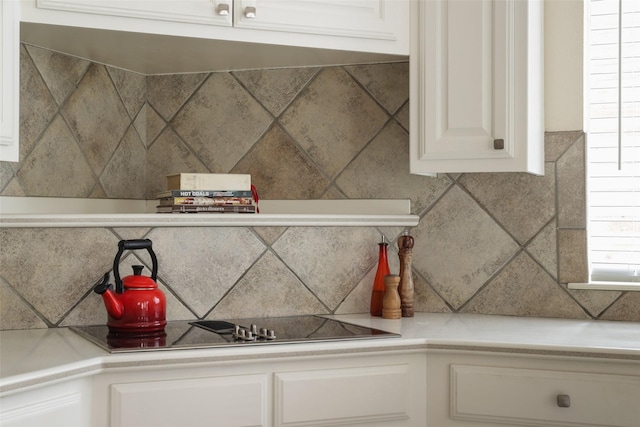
x=563 y=401
x=223 y=9
x=250 y=12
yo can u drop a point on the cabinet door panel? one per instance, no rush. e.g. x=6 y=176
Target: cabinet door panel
x=531 y=397
x=461 y=120
x=59 y=405
x=192 y=11
x=9 y=80
x=374 y=19
x=335 y=397
x=476 y=86
x=238 y=401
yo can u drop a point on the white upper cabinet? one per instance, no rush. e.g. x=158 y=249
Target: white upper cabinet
x=210 y=12
x=366 y=19
x=10 y=80
x=477 y=86
x=175 y=36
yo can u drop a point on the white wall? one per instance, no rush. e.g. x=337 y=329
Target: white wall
x=563 y=65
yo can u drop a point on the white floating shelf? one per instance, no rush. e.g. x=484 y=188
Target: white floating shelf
x=41 y=212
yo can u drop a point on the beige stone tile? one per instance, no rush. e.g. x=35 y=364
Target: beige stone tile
x=168 y=93
x=98 y=192
x=392 y=234
x=329 y=260
x=572 y=187
x=426 y=300
x=125 y=175
x=572 y=256
x=269 y=289
x=280 y=171
x=333 y=193
x=387 y=83
x=269 y=234
x=52 y=268
x=333 y=119
x=37 y=106
x=201 y=264
x=13 y=189
x=626 y=308
x=524 y=289
x=381 y=171
x=359 y=299
x=131 y=87
x=155 y=125
x=6 y=175
x=543 y=248
x=130 y=233
x=15 y=314
x=275 y=88
x=402 y=116
x=56 y=166
x=458 y=247
x=594 y=302
x=556 y=143
x=140 y=124
x=90 y=310
x=168 y=155
x=221 y=122
x=97 y=117
x=521 y=202
x=60 y=72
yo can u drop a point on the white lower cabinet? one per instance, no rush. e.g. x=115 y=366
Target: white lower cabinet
x=66 y=404
x=237 y=400
x=478 y=390
x=355 y=389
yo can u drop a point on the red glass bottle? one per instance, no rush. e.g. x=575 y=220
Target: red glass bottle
x=379 y=289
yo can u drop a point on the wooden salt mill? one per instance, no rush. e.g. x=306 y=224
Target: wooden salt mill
x=391 y=305
x=405 y=247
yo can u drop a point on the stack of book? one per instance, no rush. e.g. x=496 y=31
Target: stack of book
x=207 y=193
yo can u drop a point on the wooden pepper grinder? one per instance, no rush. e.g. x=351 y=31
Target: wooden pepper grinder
x=391 y=305
x=405 y=247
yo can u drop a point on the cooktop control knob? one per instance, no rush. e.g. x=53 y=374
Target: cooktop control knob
x=253 y=333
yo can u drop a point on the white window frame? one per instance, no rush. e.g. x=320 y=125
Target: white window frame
x=623 y=285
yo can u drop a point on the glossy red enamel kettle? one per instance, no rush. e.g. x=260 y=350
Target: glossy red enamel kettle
x=137 y=305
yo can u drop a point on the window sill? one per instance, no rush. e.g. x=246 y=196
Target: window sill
x=606 y=286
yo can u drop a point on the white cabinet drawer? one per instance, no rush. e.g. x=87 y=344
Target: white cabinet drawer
x=530 y=397
x=335 y=397
x=232 y=401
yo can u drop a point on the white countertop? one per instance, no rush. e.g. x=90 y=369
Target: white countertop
x=31 y=357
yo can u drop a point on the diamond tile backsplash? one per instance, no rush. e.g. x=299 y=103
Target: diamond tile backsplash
x=503 y=243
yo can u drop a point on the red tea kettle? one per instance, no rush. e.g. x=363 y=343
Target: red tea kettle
x=137 y=305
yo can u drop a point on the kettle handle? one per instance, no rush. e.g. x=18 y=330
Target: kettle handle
x=133 y=245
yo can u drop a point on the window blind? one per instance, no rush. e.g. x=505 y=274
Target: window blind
x=613 y=139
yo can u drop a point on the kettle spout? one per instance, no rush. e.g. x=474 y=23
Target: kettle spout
x=114 y=307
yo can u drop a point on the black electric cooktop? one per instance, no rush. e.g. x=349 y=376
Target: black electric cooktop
x=218 y=333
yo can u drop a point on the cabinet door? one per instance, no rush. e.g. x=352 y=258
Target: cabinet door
x=10 y=80
x=476 y=79
x=372 y=391
x=225 y=401
x=61 y=405
x=475 y=389
x=369 y=19
x=543 y=398
x=210 y=12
